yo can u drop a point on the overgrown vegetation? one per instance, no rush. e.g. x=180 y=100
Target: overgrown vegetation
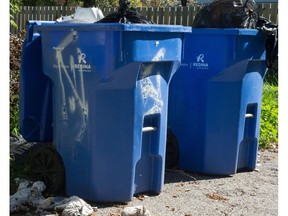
x=269 y=111
x=16 y=169
x=14 y=9
x=104 y=3
x=15 y=60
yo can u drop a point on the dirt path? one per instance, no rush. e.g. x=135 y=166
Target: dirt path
x=186 y=194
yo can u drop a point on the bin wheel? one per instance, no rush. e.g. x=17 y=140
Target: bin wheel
x=45 y=164
x=172 y=151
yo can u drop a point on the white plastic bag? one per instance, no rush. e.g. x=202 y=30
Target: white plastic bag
x=87 y=15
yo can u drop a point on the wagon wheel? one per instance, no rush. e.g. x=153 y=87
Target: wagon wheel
x=172 y=151
x=46 y=165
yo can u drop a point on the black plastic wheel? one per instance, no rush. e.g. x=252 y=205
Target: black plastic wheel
x=45 y=164
x=172 y=151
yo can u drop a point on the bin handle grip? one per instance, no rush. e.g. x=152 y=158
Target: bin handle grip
x=147 y=129
x=249 y=115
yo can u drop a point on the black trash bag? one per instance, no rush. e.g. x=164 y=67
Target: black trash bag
x=125 y=14
x=271 y=43
x=227 y=14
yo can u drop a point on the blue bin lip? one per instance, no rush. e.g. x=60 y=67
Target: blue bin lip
x=55 y=26
x=225 y=31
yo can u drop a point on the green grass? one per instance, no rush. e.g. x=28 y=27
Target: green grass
x=269 y=116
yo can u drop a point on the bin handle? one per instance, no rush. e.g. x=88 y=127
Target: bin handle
x=147 y=129
x=249 y=115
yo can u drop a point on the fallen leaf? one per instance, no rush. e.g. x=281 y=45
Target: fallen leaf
x=215 y=196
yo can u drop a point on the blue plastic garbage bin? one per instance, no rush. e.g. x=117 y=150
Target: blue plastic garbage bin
x=215 y=100
x=110 y=97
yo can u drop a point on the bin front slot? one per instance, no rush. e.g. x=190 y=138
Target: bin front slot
x=249 y=115
x=147 y=129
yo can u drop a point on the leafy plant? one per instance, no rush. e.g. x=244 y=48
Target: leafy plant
x=15 y=59
x=14 y=9
x=14 y=102
x=269 y=116
x=271 y=77
x=14 y=115
x=17 y=170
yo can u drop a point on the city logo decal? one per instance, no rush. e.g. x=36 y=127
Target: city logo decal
x=81 y=58
x=200 y=62
x=82 y=64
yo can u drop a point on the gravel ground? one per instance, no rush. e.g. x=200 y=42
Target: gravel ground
x=187 y=194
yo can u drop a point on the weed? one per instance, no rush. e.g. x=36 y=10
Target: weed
x=269 y=116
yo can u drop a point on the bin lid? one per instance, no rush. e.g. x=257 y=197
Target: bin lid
x=225 y=31
x=55 y=26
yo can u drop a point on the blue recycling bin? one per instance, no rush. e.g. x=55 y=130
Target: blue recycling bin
x=106 y=86
x=215 y=100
